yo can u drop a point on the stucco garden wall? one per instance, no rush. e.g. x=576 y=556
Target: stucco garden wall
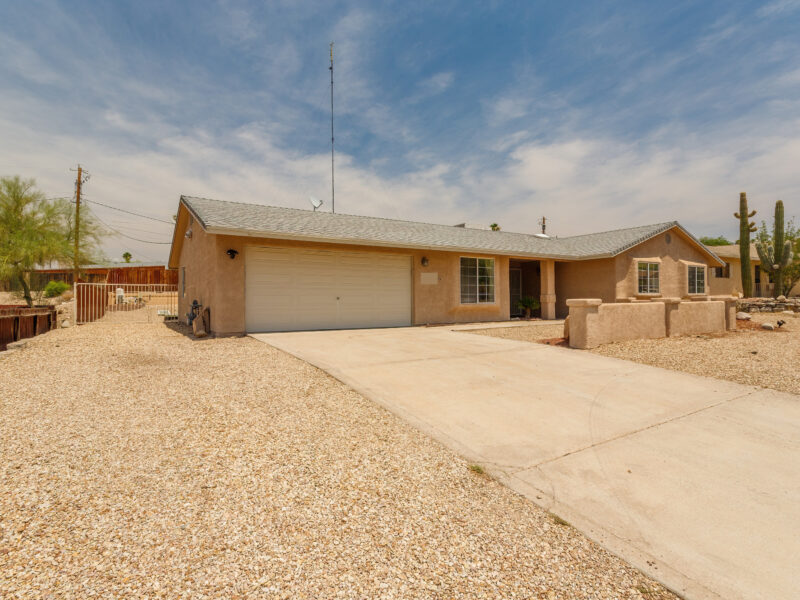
x=593 y=323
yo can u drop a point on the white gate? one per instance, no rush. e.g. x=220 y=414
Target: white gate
x=125 y=302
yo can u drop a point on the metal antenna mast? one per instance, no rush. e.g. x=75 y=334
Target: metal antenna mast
x=333 y=194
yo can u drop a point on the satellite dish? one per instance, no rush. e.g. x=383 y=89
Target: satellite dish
x=315 y=202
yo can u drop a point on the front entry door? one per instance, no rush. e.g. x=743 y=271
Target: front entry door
x=515 y=291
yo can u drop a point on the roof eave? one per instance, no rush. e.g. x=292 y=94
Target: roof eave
x=673 y=225
x=406 y=246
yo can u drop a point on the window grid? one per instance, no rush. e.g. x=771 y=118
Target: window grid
x=648 y=278
x=697 y=280
x=477 y=280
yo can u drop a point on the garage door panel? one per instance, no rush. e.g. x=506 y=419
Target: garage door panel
x=294 y=289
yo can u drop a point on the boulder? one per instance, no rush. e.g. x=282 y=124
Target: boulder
x=65 y=324
x=743 y=316
x=781 y=298
x=768 y=326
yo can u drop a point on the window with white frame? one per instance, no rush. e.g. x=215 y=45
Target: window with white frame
x=477 y=280
x=648 y=278
x=697 y=279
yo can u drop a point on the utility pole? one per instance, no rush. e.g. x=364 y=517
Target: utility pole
x=333 y=194
x=76 y=267
x=75 y=259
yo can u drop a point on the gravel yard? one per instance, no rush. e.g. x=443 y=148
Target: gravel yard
x=750 y=355
x=138 y=462
x=537 y=330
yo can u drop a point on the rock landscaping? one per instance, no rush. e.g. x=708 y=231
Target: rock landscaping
x=139 y=462
x=755 y=305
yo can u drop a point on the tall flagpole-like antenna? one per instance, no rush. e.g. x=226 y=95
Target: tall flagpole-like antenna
x=333 y=193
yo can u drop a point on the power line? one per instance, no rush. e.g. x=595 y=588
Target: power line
x=124 y=235
x=128 y=212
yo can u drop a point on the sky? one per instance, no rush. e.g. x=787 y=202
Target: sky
x=597 y=115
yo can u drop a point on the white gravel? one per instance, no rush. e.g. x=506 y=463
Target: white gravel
x=137 y=462
x=750 y=355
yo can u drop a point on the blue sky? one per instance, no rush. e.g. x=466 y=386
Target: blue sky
x=596 y=114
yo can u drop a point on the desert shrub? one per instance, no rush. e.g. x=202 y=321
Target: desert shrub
x=54 y=289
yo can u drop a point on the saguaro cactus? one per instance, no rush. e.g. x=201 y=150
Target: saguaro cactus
x=746 y=227
x=775 y=257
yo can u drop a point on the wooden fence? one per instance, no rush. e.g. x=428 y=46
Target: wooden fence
x=19 y=323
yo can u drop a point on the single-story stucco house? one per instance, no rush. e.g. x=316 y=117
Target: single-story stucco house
x=264 y=268
x=728 y=279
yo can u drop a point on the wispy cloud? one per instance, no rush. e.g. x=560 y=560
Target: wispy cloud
x=595 y=121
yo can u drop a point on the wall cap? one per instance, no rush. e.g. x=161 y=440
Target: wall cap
x=584 y=302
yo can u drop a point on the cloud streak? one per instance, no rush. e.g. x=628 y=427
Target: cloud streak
x=611 y=133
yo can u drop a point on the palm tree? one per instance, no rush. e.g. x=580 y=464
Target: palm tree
x=528 y=304
x=31 y=231
x=126 y=256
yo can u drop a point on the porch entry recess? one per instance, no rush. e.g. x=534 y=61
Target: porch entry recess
x=125 y=302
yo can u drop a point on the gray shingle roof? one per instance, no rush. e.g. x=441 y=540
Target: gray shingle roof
x=235 y=218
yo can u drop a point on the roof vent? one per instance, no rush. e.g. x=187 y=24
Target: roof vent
x=472 y=226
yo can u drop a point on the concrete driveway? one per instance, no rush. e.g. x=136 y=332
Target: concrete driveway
x=693 y=480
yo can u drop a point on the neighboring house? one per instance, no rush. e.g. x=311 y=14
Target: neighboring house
x=264 y=268
x=728 y=280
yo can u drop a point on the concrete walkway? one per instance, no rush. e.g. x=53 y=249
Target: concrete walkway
x=693 y=480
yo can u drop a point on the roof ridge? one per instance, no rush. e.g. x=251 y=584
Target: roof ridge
x=306 y=211
x=662 y=224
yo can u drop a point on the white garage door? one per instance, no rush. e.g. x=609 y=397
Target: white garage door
x=291 y=290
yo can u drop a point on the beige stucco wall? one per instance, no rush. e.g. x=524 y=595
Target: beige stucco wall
x=584 y=279
x=219 y=282
x=674 y=252
x=724 y=286
x=198 y=262
x=693 y=318
x=593 y=324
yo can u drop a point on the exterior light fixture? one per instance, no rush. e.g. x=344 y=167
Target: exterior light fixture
x=189 y=233
x=424 y=261
x=232 y=253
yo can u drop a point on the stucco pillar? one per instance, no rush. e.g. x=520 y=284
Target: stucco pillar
x=583 y=322
x=730 y=310
x=670 y=306
x=547 y=294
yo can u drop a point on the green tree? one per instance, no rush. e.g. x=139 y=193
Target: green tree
x=91 y=238
x=31 y=231
x=720 y=240
x=126 y=256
